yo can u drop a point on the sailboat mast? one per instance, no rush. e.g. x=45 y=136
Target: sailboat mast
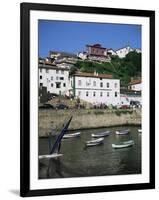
x=59 y=138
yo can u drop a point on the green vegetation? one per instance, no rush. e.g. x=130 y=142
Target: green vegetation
x=119 y=112
x=122 y=69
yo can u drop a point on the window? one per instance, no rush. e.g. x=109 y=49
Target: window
x=101 y=84
x=40 y=70
x=87 y=83
x=52 y=85
x=94 y=94
x=62 y=72
x=57 y=78
x=107 y=94
x=79 y=82
x=86 y=93
x=107 y=85
x=41 y=84
x=61 y=78
x=58 y=85
x=51 y=78
x=57 y=71
x=41 y=77
x=116 y=94
x=100 y=78
x=101 y=94
x=47 y=71
x=115 y=85
x=94 y=83
x=64 y=84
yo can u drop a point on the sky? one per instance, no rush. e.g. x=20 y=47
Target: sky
x=73 y=37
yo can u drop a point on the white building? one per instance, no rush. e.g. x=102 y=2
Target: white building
x=122 y=52
x=55 y=79
x=135 y=85
x=111 y=52
x=82 y=55
x=96 y=88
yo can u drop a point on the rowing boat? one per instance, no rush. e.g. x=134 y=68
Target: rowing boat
x=103 y=134
x=123 y=144
x=122 y=132
x=71 y=135
x=94 y=142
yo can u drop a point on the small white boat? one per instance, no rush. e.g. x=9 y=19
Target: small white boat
x=72 y=135
x=54 y=155
x=123 y=144
x=103 y=134
x=140 y=130
x=122 y=132
x=94 y=142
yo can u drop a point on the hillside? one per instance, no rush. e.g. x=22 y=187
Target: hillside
x=123 y=69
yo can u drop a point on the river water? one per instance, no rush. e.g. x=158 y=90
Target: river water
x=79 y=161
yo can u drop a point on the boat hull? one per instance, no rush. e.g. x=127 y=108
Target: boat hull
x=49 y=156
x=98 y=135
x=124 y=132
x=73 y=135
x=123 y=145
x=93 y=144
x=95 y=141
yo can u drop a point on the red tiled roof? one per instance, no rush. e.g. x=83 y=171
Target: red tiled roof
x=94 y=75
x=133 y=82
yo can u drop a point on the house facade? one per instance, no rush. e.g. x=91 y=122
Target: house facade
x=135 y=85
x=54 y=78
x=96 y=50
x=96 y=88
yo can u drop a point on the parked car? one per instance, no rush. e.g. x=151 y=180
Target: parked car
x=135 y=104
x=61 y=106
x=46 y=106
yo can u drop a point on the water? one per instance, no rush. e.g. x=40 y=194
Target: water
x=79 y=161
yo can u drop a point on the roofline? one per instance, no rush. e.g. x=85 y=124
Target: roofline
x=124 y=47
x=95 y=76
x=135 y=83
x=95 y=46
x=49 y=66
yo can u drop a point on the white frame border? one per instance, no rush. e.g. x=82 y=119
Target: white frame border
x=36 y=183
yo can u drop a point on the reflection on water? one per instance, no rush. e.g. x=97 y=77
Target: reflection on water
x=79 y=161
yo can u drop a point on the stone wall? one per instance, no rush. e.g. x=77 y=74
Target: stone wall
x=53 y=120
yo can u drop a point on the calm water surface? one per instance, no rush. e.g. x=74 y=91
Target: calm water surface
x=79 y=161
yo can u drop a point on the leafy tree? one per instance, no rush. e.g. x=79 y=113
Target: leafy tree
x=122 y=69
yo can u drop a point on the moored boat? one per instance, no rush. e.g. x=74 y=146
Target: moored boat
x=123 y=144
x=122 y=132
x=94 y=142
x=103 y=134
x=71 y=135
